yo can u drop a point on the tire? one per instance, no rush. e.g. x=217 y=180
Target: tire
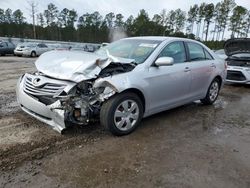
x=116 y=115
x=212 y=93
x=33 y=54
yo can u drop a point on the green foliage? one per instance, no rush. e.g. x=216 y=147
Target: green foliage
x=215 y=45
x=237 y=21
x=209 y=21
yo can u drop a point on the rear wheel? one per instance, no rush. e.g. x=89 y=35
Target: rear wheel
x=212 y=93
x=122 y=113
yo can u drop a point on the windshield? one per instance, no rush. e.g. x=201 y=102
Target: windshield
x=136 y=49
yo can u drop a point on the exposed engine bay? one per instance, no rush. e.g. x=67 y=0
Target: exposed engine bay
x=241 y=63
x=83 y=103
x=116 y=68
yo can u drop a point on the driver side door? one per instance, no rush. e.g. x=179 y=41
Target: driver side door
x=169 y=86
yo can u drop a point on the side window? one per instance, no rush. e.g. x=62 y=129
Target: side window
x=208 y=55
x=3 y=44
x=176 y=50
x=43 y=46
x=197 y=52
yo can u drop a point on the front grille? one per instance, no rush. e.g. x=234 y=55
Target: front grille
x=43 y=89
x=235 y=75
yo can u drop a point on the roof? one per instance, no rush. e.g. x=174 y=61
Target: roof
x=159 y=38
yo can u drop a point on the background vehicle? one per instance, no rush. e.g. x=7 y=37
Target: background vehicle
x=221 y=53
x=89 y=48
x=121 y=83
x=31 y=49
x=238 y=52
x=6 y=48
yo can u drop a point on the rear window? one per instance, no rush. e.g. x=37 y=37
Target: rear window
x=197 y=52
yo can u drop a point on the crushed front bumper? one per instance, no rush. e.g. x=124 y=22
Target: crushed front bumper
x=237 y=74
x=52 y=115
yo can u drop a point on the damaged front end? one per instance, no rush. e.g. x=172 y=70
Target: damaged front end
x=83 y=104
x=75 y=97
x=62 y=103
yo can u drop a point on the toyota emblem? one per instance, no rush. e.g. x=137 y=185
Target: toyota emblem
x=36 y=81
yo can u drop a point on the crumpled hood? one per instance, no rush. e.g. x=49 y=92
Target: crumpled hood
x=236 y=46
x=71 y=65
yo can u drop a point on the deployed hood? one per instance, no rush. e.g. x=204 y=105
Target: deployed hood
x=74 y=66
x=237 y=46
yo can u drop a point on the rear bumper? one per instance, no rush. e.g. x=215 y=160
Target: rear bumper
x=240 y=75
x=49 y=114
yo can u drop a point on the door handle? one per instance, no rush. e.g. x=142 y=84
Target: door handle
x=213 y=65
x=187 y=69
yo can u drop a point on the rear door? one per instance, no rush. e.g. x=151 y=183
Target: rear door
x=169 y=85
x=39 y=49
x=201 y=64
x=43 y=48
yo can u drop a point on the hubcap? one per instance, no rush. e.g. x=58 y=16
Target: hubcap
x=126 y=115
x=214 y=90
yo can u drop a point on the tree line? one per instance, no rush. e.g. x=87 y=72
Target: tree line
x=202 y=21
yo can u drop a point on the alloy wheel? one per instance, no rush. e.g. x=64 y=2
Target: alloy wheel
x=126 y=115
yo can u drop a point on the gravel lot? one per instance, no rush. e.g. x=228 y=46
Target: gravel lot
x=190 y=146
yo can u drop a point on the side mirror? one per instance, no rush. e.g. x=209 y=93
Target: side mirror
x=164 y=61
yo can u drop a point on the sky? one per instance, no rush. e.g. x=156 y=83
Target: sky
x=125 y=7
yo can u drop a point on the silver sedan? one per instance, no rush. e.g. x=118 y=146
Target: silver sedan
x=121 y=83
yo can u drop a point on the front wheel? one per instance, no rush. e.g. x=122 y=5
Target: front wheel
x=33 y=54
x=122 y=113
x=212 y=93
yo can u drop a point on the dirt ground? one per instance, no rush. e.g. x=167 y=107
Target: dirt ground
x=190 y=146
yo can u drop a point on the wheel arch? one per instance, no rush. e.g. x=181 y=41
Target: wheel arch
x=139 y=94
x=33 y=51
x=219 y=78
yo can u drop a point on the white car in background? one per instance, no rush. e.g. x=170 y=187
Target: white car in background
x=238 y=60
x=31 y=49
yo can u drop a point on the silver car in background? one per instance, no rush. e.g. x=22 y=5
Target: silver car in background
x=121 y=83
x=31 y=49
